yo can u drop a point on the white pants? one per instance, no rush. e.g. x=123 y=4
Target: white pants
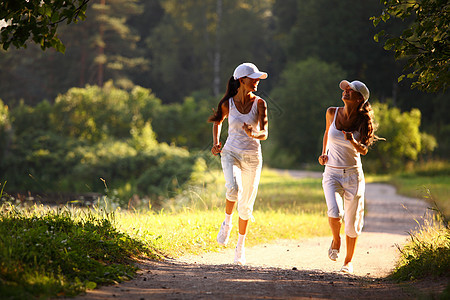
x=242 y=173
x=344 y=193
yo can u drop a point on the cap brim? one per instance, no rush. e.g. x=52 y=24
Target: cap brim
x=260 y=75
x=344 y=84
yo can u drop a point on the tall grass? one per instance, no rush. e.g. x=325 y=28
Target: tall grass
x=428 y=251
x=286 y=208
x=47 y=251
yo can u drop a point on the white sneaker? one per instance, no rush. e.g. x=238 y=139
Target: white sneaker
x=333 y=254
x=239 y=256
x=224 y=234
x=348 y=268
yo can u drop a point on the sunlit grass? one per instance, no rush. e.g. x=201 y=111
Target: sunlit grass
x=48 y=251
x=426 y=254
x=45 y=251
x=177 y=234
x=285 y=208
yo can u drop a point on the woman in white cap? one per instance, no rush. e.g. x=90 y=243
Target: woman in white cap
x=241 y=155
x=350 y=131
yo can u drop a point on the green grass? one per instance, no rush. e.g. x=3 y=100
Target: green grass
x=63 y=251
x=286 y=208
x=426 y=254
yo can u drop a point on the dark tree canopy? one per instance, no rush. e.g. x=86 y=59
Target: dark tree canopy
x=38 y=20
x=424 y=42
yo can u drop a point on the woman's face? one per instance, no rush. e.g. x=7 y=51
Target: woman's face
x=250 y=84
x=351 y=95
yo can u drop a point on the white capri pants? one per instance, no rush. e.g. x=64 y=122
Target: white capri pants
x=344 y=193
x=242 y=173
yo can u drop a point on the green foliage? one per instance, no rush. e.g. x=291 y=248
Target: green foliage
x=93 y=114
x=5 y=127
x=48 y=253
x=404 y=140
x=427 y=254
x=172 y=169
x=97 y=135
x=38 y=20
x=424 y=42
x=185 y=124
x=196 y=45
x=59 y=252
x=305 y=92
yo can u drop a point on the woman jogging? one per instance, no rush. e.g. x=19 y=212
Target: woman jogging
x=241 y=155
x=349 y=133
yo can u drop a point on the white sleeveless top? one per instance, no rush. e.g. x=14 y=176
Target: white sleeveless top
x=238 y=140
x=341 y=153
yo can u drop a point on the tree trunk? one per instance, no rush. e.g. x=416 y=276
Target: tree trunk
x=101 y=52
x=216 y=58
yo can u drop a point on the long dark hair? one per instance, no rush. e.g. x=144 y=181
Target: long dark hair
x=232 y=88
x=366 y=124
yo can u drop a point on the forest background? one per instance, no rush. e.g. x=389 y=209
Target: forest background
x=125 y=107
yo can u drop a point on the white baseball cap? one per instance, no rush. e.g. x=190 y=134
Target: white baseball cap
x=248 y=70
x=356 y=86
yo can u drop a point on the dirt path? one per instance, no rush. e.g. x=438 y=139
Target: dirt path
x=291 y=269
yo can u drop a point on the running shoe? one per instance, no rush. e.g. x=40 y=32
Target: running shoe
x=239 y=256
x=333 y=254
x=224 y=234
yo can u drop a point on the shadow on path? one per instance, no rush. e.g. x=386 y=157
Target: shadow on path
x=174 y=280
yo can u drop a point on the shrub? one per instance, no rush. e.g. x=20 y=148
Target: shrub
x=427 y=253
x=58 y=253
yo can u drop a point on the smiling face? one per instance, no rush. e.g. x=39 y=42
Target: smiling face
x=250 y=84
x=351 y=95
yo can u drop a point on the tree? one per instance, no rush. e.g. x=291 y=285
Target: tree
x=339 y=35
x=197 y=45
x=307 y=88
x=404 y=140
x=424 y=42
x=38 y=19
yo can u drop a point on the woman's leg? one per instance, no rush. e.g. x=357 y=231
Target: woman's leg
x=229 y=207
x=354 y=213
x=351 y=244
x=335 y=225
x=231 y=173
x=243 y=225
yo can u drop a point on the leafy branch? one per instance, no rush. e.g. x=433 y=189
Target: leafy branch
x=38 y=20
x=424 y=43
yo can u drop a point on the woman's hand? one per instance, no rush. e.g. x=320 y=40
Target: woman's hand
x=248 y=128
x=348 y=135
x=216 y=148
x=323 y=159
x=361 y=148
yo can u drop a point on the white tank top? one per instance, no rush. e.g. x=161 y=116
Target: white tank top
x=341 y=153
x=238 y=140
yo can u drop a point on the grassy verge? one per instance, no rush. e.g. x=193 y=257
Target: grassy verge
x=53 y=252
x=427 y=254
x=63 y=251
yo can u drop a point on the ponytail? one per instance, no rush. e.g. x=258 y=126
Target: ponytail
x=232 y=88
x=367 y=124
